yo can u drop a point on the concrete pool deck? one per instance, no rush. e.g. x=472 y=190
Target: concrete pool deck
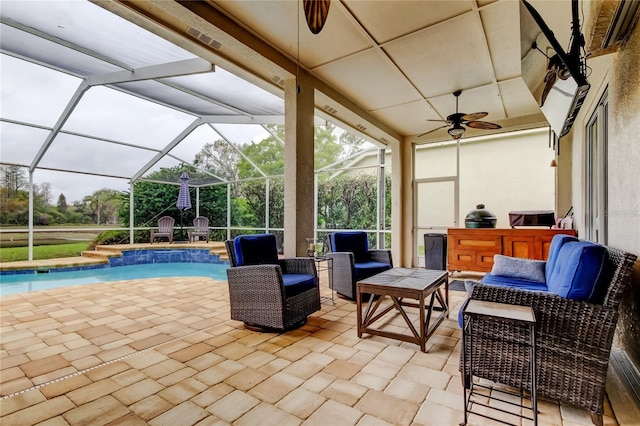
x=164 y=352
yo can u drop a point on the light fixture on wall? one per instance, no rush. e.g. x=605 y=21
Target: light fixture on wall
x=554 y=163
x=316 y=12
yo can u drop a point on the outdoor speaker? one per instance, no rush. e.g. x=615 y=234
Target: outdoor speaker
x=435 y=251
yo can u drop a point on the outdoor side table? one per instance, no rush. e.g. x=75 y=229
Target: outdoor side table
x=518 y=316
x=324 y=263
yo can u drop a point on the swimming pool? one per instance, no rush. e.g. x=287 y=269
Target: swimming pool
x=22 y=283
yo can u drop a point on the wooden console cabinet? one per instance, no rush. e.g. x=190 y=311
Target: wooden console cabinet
x=472 y=249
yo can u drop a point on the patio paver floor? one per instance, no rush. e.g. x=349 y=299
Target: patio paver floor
x=164 y=352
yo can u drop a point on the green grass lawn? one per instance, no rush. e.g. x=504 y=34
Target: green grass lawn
x=13 y=254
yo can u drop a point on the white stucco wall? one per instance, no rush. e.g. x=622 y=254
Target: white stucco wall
x=619 y=72
x=506 y=172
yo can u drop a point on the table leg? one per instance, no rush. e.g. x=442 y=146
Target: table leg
x=423 y=326
x=359 y=310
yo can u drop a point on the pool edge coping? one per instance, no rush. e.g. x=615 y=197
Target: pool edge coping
x=215 y=248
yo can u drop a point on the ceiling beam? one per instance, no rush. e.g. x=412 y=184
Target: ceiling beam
x=170 y=69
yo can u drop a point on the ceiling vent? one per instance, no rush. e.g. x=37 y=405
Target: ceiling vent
x=330 y=110
x=204 y=38
x=385 y=140
x=361 y=127
x=613 y=24
x=278 y=80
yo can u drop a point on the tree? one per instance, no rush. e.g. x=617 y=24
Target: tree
x=350 y=144
x=219 y=158
x=13 y=180
x=104 y=204
x=267 y=155
x=153 y=200
x=43 y=193
x=62 y=204
x=327 y=149
x=348 y=202
x=14 y=210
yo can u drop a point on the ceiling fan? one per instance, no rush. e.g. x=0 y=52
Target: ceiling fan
x=456 y=121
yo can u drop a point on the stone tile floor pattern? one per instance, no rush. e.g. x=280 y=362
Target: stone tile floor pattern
x=164 y=352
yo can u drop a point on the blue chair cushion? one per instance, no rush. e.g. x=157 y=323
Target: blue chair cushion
x=258 y=249
x=519 y=283
x=522 y=269
x=557 y=242
x=368 y=269
x=351 y=241
x=580 y=271
x=295 y=284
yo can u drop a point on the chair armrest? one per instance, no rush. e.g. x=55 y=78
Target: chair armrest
x=381 y=255
x=256 y=284
x=343 y=262
x=555 y=315
x=298 y=265
x=342 y=277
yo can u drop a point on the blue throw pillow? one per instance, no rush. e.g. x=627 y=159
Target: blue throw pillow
x=579 y=273
x=557 y=242
x=524 y=269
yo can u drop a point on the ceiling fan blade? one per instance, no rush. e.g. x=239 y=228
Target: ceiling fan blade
x=483 y=125
x=440 y=121
x=474 y=116
x=432 y=130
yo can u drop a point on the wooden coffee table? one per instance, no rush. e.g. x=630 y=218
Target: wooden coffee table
x=399 y=284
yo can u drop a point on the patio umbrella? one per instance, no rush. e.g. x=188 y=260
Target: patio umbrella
x=184 y=199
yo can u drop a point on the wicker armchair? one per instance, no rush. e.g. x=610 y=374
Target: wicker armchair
x=573 y=340
x=268 y=293
x=353 y=261
x=200 y=229
x=164 y=230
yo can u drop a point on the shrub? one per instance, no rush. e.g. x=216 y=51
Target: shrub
x=118 y=237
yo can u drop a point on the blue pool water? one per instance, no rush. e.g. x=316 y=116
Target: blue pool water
x=21 y=283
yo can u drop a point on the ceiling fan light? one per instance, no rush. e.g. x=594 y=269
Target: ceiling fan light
x=456 y=131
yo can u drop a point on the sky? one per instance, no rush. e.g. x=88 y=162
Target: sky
x=108 y=132
x=124 y=132
x=37 y=95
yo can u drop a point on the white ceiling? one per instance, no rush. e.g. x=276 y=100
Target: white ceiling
x=391 y=65
x=402 y=60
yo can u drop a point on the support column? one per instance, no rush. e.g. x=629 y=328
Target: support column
x=402 y=203
x=298 y=165
x=132 y=214
x=30 y=235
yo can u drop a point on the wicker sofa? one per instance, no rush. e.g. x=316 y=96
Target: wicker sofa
x=268 y=293
x=573 y=337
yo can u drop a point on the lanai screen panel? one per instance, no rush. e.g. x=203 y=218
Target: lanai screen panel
x=233 y=91
x=20 y=144
x=91 y=27
x=86 y=155
x=111 y=114
x=163 y=93
x=50 y=47
x=45 y=51
x=32 y=93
